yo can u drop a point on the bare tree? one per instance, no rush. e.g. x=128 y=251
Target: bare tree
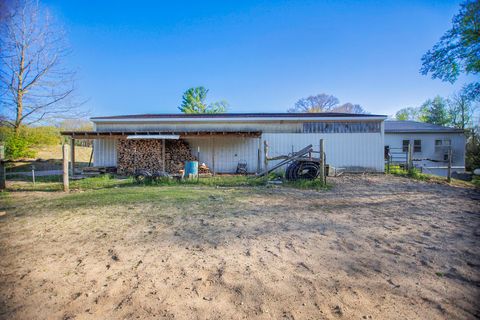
x=35 y=87
x=349 y=108
x=325 y=103
x=318 y=103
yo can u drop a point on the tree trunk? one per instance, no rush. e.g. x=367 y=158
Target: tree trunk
x=21 y=71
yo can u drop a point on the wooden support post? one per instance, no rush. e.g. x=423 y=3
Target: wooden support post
x=259 y=156
x=410 y=156
x=163 y=155
x=265 y=156
x=3 y=184
x=72 y=157
x=449 y=171
x=213 y=156
x=322 y=161
x=66 y=187
x=91 y=156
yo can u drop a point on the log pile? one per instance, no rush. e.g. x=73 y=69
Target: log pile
x=147 y=154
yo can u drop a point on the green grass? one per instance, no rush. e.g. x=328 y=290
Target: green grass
x=54 y=183
x=476 y=181
x=316 y=184
x=170 y=195
x=217 y=181
x=417 y=175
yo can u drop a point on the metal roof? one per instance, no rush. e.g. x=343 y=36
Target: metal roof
x=392 y=126
x=187 y=116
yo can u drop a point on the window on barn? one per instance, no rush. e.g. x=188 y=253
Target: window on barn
x=405 y=144
x=341 y=127
x=417 y=145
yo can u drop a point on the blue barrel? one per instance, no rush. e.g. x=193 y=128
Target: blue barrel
x=191 y=168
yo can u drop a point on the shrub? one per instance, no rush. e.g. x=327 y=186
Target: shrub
x=21 y=145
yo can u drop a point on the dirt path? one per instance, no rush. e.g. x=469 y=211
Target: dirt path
x=373 y=247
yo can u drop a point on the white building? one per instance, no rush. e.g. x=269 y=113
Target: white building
x=430 y=145
x=352 y=141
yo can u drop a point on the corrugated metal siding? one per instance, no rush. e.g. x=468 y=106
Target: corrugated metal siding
x=228 y=152
x=105 y=152
x=353 y=151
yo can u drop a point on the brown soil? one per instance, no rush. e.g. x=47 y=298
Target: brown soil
x=373 y=247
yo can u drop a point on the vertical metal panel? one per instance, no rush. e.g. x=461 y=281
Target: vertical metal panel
x=353 y=151
x=228 y=152
x=105 y=152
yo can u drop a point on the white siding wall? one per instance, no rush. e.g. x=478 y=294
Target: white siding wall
x=228 y=152
x=394 y=140
x=105 y=153
x=353 y=151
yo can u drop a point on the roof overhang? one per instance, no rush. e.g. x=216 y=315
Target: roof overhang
x=456 y=131
x=235 y=119
x=157 y=137
x=156 y=134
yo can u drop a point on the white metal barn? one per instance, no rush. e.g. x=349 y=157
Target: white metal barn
x=352 y=141
x=430 y=145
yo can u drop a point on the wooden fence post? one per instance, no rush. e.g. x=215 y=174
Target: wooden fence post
x=265 y=156
x=66 y=186
x=449 y=171
x=3 y=184
x=72 y=156
x=322 y=160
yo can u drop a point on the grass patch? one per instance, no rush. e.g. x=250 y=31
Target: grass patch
x=316 y=184
x=417 y=175
x=54 y=183
x=217 y=181
x=476 y=181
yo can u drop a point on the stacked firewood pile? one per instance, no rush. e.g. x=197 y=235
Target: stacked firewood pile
x=147 y=154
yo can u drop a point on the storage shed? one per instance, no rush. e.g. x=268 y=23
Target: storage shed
x=352 y=141
x=431 y=144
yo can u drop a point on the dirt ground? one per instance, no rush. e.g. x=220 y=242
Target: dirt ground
x=372 y=247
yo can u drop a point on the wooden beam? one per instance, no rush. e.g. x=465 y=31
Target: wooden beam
x=66 y=186
x=3 y=184
x=72 y=156
x=265 y=156
x=322 y=161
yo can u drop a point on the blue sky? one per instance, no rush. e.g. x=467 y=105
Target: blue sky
x=260 y=56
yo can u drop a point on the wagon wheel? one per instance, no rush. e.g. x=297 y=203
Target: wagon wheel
x=142 y=176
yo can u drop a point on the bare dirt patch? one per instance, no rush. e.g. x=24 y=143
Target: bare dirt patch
x=373 y=247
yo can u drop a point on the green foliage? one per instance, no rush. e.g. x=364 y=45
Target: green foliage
x=476 y=181
x=458 y=51
x=472 y=155
x=437 y=111
x=412 y=114
x=20 y=145
x=461 y=111
x=193 y=101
